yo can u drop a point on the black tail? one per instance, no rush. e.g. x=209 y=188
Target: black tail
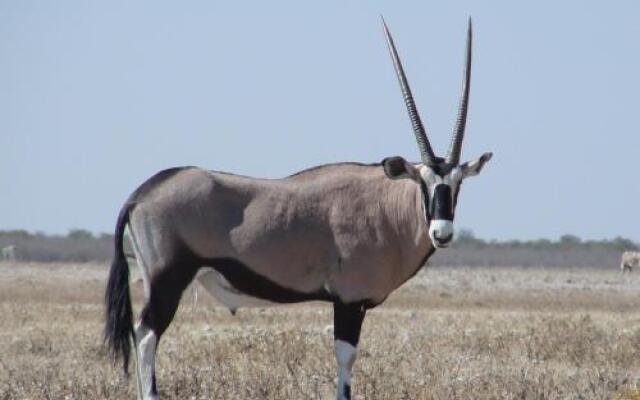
x=118 y=329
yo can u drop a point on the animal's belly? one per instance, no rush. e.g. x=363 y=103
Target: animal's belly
x=218 y=286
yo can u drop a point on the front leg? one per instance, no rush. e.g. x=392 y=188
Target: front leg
x=347 y=321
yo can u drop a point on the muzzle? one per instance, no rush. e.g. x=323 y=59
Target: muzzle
x=441 y=232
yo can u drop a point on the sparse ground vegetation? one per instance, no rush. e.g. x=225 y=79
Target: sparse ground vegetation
x=451 y=333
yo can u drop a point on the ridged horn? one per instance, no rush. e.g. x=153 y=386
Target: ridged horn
x=426 y=152
x=455 y=148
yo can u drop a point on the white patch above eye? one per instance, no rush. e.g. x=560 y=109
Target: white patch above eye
x=431 y=179
x=454 y=176
x=428 y=176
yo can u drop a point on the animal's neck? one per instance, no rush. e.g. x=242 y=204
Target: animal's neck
x=405 y=213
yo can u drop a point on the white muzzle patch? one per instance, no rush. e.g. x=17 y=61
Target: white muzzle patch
x=441 y=232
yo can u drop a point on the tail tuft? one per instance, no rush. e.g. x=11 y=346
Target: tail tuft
x=118 y=330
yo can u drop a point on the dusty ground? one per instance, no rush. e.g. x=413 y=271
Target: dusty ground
x=496 y=333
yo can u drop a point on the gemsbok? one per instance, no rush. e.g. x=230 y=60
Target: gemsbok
x=629 y=260
x=344 y=233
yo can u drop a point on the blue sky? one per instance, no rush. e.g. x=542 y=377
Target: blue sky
x=97 y=96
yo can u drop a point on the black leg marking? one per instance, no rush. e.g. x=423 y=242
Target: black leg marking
x=153 y=385
x=347 y=324
x=166 y=290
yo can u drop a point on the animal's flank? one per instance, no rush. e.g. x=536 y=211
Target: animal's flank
x=244 y=280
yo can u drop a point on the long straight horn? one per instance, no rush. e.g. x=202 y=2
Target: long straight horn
x=453 y=156
x=426 y=152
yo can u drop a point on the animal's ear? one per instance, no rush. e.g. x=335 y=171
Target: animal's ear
x=398 y=168
x=472 y=168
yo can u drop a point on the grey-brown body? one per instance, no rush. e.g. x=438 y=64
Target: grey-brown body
x=317 y=230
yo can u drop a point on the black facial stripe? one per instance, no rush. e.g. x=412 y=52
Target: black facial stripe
x=425 y=199
x=347 y=321
x=455 y=197
x=442 y=204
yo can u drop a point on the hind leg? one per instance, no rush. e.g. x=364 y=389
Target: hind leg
x=146 y=345
x=166 y=288
x=143 y=356
x=167 y=268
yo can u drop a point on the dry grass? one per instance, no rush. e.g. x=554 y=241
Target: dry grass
x=497 y=333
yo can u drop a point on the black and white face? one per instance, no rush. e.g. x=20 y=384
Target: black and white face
x=440 y=188
x=440 y=192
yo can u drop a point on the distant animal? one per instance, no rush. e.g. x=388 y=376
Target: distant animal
x=629 y=260
x=345 y=233
x=9 y=253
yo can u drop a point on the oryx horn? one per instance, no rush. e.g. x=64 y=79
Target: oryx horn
x=426 y=152
x=453 y=156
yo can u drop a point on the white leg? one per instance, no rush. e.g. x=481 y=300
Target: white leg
x=346 y=356
x=194 y=285
x=146 y=348
x=138 y=382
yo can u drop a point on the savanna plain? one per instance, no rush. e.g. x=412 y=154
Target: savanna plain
x=449 y=333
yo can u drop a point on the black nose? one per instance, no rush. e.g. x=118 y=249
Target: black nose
x=445 y=239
